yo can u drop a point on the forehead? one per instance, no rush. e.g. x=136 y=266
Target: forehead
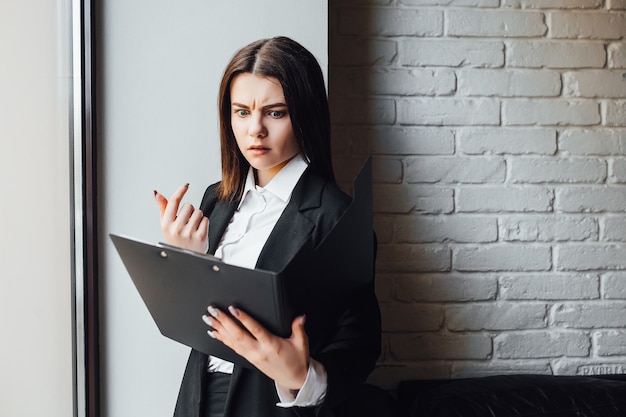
x=247 y=87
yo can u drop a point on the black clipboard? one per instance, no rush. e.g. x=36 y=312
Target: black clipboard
x=177 y=285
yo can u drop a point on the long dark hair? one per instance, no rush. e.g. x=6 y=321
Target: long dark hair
x=302 y=81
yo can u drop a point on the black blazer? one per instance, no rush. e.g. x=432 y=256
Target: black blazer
x=351 y=345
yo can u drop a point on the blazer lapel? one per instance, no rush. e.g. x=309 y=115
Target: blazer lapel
x=294 y=227
x=218 y=221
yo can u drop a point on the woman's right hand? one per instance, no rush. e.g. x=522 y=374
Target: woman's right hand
x=187 y=228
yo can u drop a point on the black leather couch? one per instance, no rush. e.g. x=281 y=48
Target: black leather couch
x=515 y=396
x=520 y=395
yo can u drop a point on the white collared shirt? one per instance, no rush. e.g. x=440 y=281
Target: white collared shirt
x=242 y=242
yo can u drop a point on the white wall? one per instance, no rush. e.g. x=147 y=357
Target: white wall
x=35 y=257
x=160 y=63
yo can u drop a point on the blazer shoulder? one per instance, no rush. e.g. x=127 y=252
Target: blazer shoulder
x=321 y=201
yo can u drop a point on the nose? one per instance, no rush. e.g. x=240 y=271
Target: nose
x=257 y=128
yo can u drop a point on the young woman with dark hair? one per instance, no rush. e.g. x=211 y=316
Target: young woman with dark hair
x=277 y=194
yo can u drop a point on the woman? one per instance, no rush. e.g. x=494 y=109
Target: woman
x=277 y=193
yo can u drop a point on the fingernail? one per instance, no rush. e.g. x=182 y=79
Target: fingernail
x=233 y=311
x=155 y=193
x=211 y=333
x=186 y=185
x=213 y=311
x=303 y=319
x=207 y=320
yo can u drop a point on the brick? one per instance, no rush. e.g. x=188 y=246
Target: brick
x=384 y=286
x=351 y=51
x=402 y=141
x=464 y=3
x=546 y=112
x=614 y=285
x=589 y=315
x=383 y=225
x=615 y=113
x=340 y=141
x=587 y=25
x=465 y=22
x=554 y=228
x=555 y=54
x=549 y=287
x=341 y=81
x=361 y=2
x=590 y=257
x=440 y=346
x=451 y=53
x=610 y=342
x=448 y=111
x=489 y=199
x=590 y=199
x=444 y=169
x=495 y=316
x=541 y=344
x=616 y=4
x=592 y=142
x=504 y=83
x=449 y=228
x=515 y=141
x=617 y=171
x=617 y=55
x=553 y=4
x=386 y=170
x=413 y=258
x=613 y=228
x=604 y=84
x=586 y=367
x=347 y=168
x=404 y=199
x=509 y=367
x=538 y=170
x=390 y=22
x=405 y=81
x=502 y=258
x=445 y=287
x=402 y=317
x=363 y=111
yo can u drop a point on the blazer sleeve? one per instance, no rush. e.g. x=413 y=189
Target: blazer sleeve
x=349 y=354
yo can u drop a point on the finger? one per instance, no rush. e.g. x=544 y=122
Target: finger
x=254 y=327
x=183 y=216
x=193 y=222
x=212 y=331
x=230 y=332
x=298 y=332
x=211 y=319
x=203 y=227
x=161 y=201
x=222 y=322
x=172 y=206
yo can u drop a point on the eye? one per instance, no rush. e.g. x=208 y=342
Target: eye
x=277 y=114
x=242 y=112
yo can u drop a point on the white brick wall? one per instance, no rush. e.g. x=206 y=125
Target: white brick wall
x=498 y=134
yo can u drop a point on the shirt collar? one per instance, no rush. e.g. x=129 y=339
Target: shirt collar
x=283 y=183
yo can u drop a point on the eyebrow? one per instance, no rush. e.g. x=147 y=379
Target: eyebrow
x=269 y=106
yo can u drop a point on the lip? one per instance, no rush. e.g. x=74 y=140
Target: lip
x=258 y=150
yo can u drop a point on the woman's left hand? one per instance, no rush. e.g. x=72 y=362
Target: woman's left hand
x=286 y=361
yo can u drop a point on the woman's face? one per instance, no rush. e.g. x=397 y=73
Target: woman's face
x=261 y=124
